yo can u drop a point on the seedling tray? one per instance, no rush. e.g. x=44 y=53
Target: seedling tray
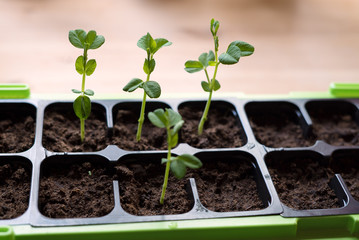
x=277 y=218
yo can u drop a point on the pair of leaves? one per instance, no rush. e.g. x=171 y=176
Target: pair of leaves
x=234 y=51
x=82 y=107
x=88 y=67
x=180 y=163
x=80 y=39
x=149 y=66
x=87 y=92
x=207 y=88
x=204 y=60
x=152 y=88
x=170 y=120
x=214 y=27
x=151 y=45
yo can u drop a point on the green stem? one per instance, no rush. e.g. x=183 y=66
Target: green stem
x=208 y=104
x=142 y=118
x=167 y=172
x=142 y=114
x=82 y=122
x=205 y=113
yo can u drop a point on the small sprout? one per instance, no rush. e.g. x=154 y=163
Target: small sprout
x=234 y=51
x=173 y=122
x=82 y=104
x=90 y=173
x=151 y=88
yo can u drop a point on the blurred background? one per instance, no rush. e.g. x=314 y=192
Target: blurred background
x=300 y=45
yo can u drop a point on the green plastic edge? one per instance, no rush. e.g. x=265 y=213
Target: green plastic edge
x=14 y=91
x=342 y=227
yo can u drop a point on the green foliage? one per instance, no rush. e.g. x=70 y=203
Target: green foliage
x=235 y=51
x=82 y=107
x=80 y=39
x=151 y=88
x=173 y=122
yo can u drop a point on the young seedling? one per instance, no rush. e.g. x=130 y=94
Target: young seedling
x=151 y=88
x=173 y=122
x=82 y=104
x=234 y=51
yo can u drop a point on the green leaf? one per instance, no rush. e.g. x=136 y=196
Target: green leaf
x=158 y=118
x=90 y=67
x=77 y=38
x=173 y=117
x=216 y=85
x=79 y=64
x=149 y=66
x=174 y=140
x=206 y=58
x=147 y=42
x=212 y=63
x=152 y=89
x=231 y=56
x=205 y=86
x=89 y=92
x=190 y=161
x=161 y=42
x=132 y=85
x=76 y=91
x=246 y=48
x=82 y=107
x=178 y=168
x=90 y=37
x=99 y=40
x=193 y=66
x=214 y=26
x=177 y=127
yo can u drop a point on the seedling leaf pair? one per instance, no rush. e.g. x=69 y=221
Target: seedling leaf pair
x=80 y=39
x=151 y=88
x=180 y=163
x=236 y=50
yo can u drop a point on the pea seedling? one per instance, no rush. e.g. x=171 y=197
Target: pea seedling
x=234 y=51
x=173 y=122
x=151 y=88
x=82 y=104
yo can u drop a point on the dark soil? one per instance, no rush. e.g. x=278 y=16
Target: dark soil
x=14 y=189
x=226 y=186
x=223 y=186
x=221 y=130
x=141 y=187
x=70 y=191
x=278 y=130
x=303 y=184
x=125 y=129
x=62 y=131
x=348 y=168
x=338 y=129
x=17 y=132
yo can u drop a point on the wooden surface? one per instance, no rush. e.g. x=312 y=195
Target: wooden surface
x=301 y=45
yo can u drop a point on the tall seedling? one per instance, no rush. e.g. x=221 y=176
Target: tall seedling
x=234 y=51
x=151 y=88
x=173 y=122
x=85 y=67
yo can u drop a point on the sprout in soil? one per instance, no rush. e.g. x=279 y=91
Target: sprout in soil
x=173 y=122
x=234 y=51
x=151 y=88
x=82 y=104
